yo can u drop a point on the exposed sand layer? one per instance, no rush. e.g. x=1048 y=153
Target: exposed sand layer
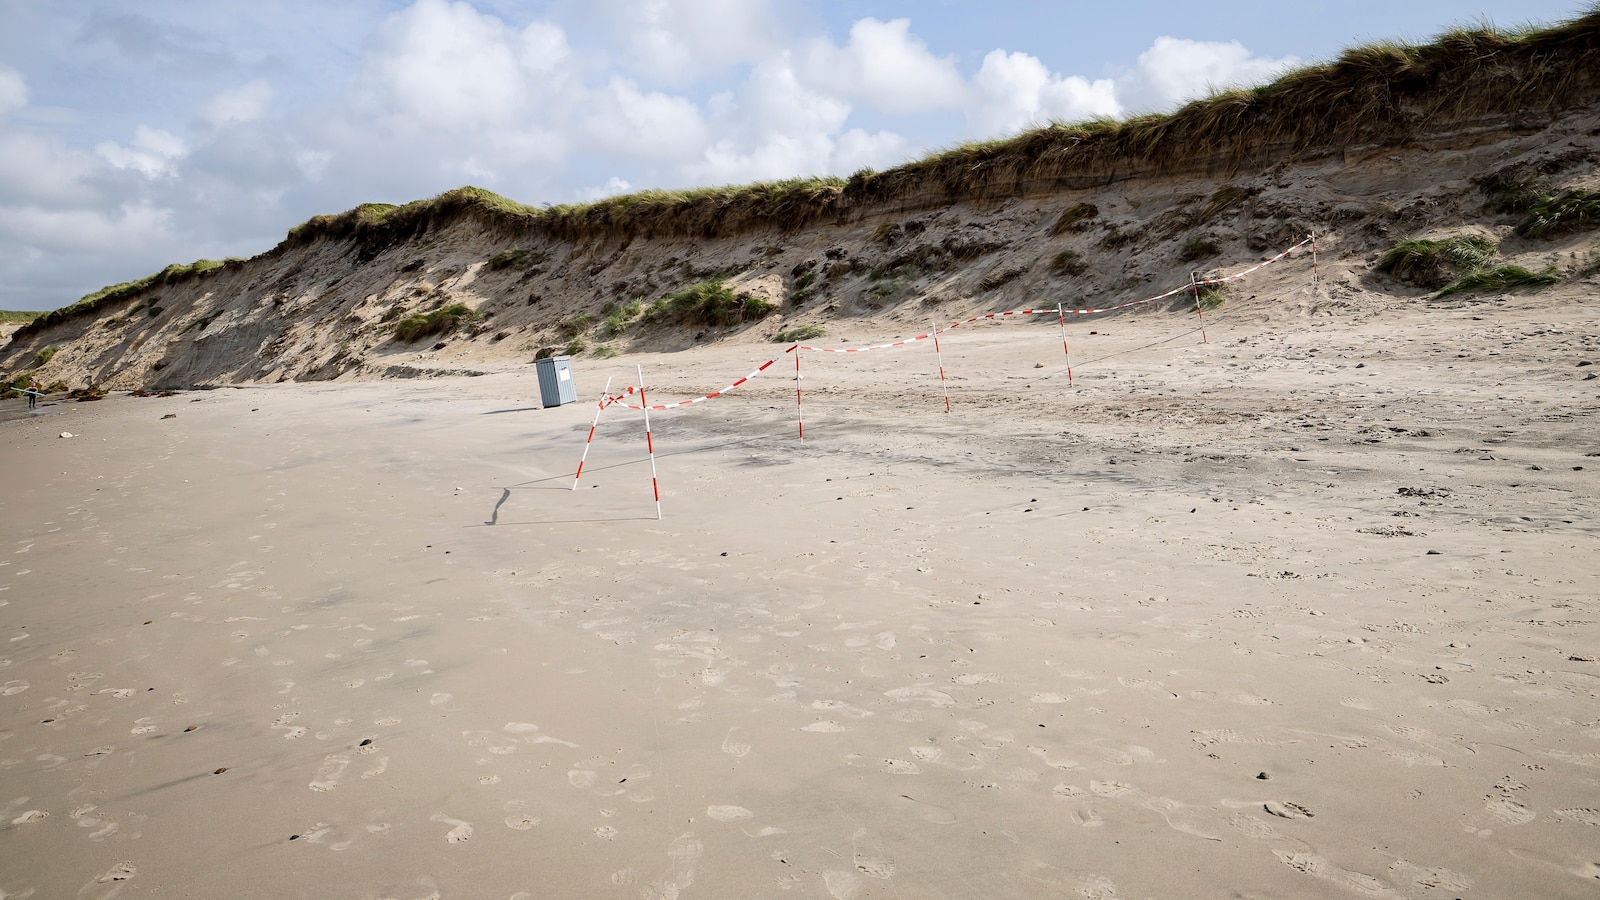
x=1308 y=610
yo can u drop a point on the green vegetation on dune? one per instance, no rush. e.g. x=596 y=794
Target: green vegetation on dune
x=1500 y=278
x=19 y=315
x=708 y=303
x=1435 y=263
x=1563 y=213
x=444 y=319
x=106 y=296
x=799 y=333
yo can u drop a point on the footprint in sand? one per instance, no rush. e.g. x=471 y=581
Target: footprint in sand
x=143 y=726
x=1578 y=814
x=381 y=767
x=683 y=854
x=329 y=772
x=1510 y=811
x=826 y=726
x=932 y=696
x=1287 y=810
x=1250 y=826
x=1429 y=877
x=1318 y=867
x=519 y=820
x=728 y=813
x=459 y=831
x=31 y=816
x=488 y=740
x=870 y=859
x=735 y=743
x=122 y=871
x=841 y=885
x=440 y=699
x=606 y=833
x=84 y=820
x=583 y=779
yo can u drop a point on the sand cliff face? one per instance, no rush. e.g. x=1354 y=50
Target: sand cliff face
x=325 y=308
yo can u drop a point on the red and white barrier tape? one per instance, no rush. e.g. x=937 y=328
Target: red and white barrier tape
x=1058 y=310
x=711 y=396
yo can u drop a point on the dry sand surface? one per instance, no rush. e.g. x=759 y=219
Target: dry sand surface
x=1308 y=610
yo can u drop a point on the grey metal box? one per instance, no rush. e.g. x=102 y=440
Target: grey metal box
x=555 y=381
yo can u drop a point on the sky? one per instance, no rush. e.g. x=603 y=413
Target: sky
x=133 y=135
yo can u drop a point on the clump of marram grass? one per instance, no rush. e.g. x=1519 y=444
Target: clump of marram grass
x=577 y=345
x=1198 y=246
x=708 y=303
x=1571 y=210
x=1435 y=263
x=799 y=333
x=1074 y=218
x=44 y=355
x=11 y=386
x=1221 y=200
x=604 y=351
x=1067 y=264
x=574 y=324
x=622 y=318
x=1500 y=278
x=1210 y=296
x=515 y=256
x=420 y=325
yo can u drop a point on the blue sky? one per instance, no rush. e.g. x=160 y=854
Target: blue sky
x=135 y=135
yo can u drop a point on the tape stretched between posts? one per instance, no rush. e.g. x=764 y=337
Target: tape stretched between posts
x=793 y=348
x=714 y=394
x=1183 y=288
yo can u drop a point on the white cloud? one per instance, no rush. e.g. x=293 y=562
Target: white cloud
x=613 y=187
x=1174 y=70
x=887 y=67
x=444 y=65
x=1015 y=91
x=677 y=40
x=154 y=152
x=629 y=122
x=777 y=127
x=40 y=168
x=78 y=231
x=856 y=149
x=13 y=90
x=245 y=103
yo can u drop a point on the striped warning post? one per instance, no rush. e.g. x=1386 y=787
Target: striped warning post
x=714 y=394
x=799 y=410
x=649 y=442
x=599 y=407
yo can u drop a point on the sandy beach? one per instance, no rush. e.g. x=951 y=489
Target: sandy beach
x=1308 y=610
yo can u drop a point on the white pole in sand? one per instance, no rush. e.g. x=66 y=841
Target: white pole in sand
x=938 y=354
x=799 y=411
x=649 y=442
x=1315 y=275
x=598 y=409
x=1062 y=316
